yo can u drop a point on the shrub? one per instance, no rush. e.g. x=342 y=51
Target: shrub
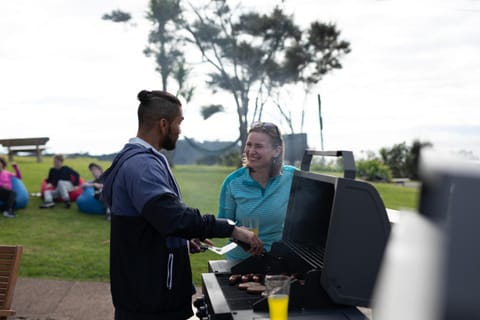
x=231 y=158
x=327 y=166
x=373 y=170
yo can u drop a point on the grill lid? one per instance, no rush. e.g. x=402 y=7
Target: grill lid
x=340 y=226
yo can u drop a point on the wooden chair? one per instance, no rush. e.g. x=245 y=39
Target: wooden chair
x=10 y=257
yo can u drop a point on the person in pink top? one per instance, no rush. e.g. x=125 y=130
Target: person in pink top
x=7 y=195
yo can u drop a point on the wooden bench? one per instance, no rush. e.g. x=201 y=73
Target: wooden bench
x=35 y=145
x=10 y=257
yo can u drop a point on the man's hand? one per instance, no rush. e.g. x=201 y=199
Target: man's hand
x=195 y=245
x=247 y=236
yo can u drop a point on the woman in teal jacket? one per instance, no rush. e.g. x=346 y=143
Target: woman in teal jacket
x=261 y=188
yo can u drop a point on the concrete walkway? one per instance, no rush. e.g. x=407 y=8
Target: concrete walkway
x=36 y=299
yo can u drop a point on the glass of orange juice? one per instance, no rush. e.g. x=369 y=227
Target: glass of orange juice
x=278 y=290
x=251 y=223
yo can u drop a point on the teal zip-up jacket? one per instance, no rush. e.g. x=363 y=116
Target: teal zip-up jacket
x=242 y=196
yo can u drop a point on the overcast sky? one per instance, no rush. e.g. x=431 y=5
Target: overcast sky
x=413 y=73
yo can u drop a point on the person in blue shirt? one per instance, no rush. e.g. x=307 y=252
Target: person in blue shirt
x=261 y=188
x=152 y=230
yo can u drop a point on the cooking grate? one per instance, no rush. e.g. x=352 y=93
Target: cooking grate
x=312 y=255
x=237 y=299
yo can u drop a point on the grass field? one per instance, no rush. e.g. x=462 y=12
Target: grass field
x=67 y=244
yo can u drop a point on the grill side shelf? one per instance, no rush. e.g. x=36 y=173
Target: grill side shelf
x=216 y=300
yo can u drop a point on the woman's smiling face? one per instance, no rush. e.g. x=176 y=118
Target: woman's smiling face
x=259 y=150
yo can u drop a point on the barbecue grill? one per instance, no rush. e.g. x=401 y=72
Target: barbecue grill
x=432 y=259
x=334 y=236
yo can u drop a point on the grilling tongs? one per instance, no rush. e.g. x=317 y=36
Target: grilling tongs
x=217 y=250
x=226 y=248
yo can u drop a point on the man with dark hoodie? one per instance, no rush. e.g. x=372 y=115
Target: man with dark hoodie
x=152 y=230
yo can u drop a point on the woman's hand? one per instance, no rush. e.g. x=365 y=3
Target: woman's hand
x=245 y=235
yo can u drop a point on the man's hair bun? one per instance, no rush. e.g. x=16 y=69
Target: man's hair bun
x=144 y=95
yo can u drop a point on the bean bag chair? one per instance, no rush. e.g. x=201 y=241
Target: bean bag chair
x=87 y=203
x=22 y=193
x=74 y=194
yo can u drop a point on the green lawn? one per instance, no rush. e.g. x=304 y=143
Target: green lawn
x=67 y=244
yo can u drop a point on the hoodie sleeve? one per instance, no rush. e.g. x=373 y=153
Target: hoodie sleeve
x=169 y=216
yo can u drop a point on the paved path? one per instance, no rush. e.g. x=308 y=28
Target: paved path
x=36 y=299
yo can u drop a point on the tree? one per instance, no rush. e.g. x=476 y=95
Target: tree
x=117 y=16
x=250 y=54
x=396 y=158
x=414 y=157
x=402 y=159
x=164 y=43
x=259 y=54
x=208 y=111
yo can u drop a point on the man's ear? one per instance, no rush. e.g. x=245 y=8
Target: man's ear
x=163 y=125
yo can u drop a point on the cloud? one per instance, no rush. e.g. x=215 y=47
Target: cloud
x=413 y=72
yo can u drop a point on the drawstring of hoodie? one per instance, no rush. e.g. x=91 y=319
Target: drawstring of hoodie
x=170 y=271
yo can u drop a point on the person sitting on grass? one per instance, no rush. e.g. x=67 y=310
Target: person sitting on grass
x=7 y=195
x=96 y=171
x=61 y=180
x=97 y=183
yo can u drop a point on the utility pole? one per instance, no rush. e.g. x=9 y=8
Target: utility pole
x=321 y=121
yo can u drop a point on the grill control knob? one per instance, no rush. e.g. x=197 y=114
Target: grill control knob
x=200 y=301
x=202 y=308
x=202 y=312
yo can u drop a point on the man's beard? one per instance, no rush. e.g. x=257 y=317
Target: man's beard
x=170 y=142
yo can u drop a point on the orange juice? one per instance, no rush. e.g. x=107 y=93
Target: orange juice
x=278 y=307
x=251 y=223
